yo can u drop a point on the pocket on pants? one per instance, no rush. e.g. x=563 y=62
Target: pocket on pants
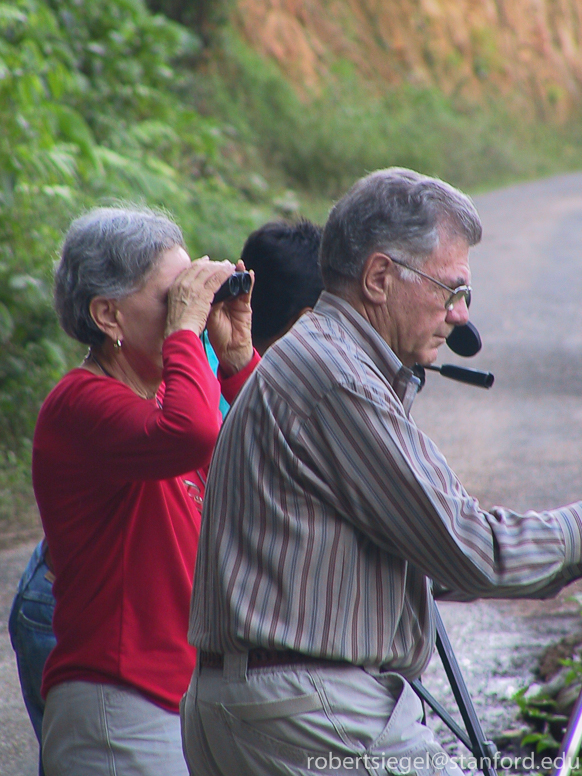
x=270 y=724
x=410 y=746
x=261 y=753
x=289 y=722
x=358 y=705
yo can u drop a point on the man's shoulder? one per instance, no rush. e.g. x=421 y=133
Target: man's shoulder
x=316 y=357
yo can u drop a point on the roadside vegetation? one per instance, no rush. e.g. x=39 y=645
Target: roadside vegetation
x=165 y=105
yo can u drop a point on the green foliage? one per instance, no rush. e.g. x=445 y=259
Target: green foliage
x=539 y=712
x=17 y=514
x=92 y=110
x=323 y=142
x=206 y=17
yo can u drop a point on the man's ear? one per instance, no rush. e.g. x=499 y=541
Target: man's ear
x=104 y=313
x=376 y=278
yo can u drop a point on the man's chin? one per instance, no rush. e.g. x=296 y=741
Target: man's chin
x=428 y=358
x=424 y=357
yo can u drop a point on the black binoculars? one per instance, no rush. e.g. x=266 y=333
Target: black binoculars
x=238 y=283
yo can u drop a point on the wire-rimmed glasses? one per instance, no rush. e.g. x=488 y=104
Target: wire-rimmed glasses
x=456 y=294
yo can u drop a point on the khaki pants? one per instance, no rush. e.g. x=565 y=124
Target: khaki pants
x=298 y=720
x=104 y=730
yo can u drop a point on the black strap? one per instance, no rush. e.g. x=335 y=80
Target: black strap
x=474 y=739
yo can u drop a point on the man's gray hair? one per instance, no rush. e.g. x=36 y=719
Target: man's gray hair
x=108 y=252
x=398 y=212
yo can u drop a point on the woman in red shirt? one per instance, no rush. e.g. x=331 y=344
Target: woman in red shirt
x=121 y=448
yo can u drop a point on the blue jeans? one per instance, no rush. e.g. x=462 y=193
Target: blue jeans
x=31 y=633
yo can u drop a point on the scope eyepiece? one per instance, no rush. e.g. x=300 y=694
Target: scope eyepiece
x=238 y=283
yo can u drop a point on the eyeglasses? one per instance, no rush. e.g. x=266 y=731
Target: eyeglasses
x=456 y=294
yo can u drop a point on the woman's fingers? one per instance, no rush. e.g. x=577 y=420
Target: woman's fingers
x=191 y=296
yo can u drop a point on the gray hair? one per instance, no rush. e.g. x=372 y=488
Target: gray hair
x=108 y=252
x=396 y=211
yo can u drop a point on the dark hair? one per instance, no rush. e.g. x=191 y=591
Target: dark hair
x=287 y=278
x=398 y=211
x=107 y=252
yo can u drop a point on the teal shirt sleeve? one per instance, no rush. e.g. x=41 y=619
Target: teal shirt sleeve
x=224 y=406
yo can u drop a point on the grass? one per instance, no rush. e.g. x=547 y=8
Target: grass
x=321 y=143
x=19 y=520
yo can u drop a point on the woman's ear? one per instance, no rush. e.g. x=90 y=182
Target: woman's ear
x=376 y=278
x=104 y=313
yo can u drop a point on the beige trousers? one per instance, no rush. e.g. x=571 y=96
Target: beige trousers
x=308 y=719
x=104 y=730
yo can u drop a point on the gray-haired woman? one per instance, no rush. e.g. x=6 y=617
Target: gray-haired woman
x=120 y=452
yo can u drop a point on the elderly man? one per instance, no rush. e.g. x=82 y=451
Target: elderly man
x=328 y=512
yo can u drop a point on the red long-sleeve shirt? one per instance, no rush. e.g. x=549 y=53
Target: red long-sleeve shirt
x=109 y=472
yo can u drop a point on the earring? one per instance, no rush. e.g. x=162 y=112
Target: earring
x=117 y=345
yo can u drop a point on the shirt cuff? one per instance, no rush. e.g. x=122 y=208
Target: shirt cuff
x=570 y=520
x=230 y=386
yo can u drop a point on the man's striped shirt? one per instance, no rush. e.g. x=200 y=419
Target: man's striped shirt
x=327 y=511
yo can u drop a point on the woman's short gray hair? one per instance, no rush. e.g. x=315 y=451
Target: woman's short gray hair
x=396 y=211
x=108 y=252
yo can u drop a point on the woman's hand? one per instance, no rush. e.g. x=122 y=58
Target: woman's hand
x=190 y=297
x=229 y=330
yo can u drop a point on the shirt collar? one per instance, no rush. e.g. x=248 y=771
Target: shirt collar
x=404 y=382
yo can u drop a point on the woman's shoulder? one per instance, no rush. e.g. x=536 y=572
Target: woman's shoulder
x=75 y=380
x=80 y=387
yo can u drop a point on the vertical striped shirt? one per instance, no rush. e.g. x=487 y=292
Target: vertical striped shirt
x=327 y=511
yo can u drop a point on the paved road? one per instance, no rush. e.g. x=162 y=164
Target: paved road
x=517 y=444
x=18 y=747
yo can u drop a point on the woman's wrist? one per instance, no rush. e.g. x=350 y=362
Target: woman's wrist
x=194 y=325
x=236 y=361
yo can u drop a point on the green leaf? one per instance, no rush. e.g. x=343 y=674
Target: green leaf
x=74 y=129
x=32 y=290
x=531 y=738
x=6 y=324
x=66 y=193
x=54 y=353
x=21 y=282
x=9 y=15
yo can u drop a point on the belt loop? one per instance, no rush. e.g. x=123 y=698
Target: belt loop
x=235 y=666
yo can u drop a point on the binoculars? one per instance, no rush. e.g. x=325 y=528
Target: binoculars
x=238 y=283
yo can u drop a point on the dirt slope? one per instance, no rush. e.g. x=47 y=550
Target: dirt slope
x=529 y=49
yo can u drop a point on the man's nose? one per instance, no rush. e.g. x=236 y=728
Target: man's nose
x=459 y=314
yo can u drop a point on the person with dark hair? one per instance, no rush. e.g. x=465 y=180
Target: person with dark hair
x=120 y=454
x=287 y=278
x=329 y=514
